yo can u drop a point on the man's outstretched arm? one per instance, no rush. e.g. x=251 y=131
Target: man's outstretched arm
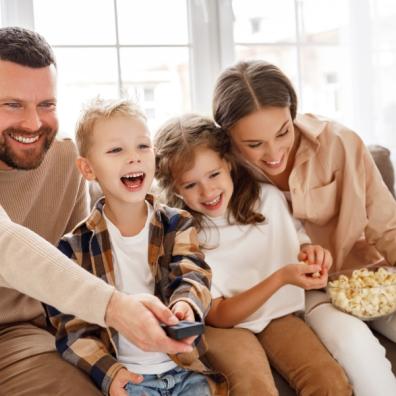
x=34 y=267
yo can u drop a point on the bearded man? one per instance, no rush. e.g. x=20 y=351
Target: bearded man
x=40 y=185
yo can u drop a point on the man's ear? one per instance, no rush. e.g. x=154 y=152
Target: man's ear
x=85 y=168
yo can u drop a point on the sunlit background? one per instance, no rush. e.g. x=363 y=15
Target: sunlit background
x=340 y=54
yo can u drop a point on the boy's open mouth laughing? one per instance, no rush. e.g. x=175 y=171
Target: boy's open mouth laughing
x=133 y=181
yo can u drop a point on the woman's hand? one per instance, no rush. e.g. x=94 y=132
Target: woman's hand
x=316 y=254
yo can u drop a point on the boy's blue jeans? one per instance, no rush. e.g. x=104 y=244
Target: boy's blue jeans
x=175 y=382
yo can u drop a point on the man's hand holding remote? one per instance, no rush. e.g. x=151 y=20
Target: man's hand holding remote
x=137 y=316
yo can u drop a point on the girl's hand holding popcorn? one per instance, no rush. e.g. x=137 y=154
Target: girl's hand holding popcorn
x=316 y=254
x=301 y=275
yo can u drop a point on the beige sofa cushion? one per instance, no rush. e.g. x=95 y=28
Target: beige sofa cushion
x=383 y=161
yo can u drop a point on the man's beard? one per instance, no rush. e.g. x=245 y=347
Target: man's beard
x=30 y=159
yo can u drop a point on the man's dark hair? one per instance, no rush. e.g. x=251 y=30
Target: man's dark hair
x=24 y=47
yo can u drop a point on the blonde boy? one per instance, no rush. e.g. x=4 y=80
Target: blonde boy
x=140 y=246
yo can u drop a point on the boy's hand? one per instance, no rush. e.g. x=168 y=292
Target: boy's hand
x=315 y=254
x=121 y=379
x=301 y=275
x=183 y=311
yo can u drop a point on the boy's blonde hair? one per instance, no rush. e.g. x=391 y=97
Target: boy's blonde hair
x=102 y=109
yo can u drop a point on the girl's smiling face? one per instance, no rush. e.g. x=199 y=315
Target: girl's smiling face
x=207 y=186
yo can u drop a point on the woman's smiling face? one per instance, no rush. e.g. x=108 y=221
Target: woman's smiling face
x=265 y=138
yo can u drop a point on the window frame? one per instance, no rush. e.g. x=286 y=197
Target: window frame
x=210 y=43
x=212 y=48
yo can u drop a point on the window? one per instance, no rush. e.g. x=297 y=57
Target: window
x=304 y=39
x=340 y=54
x=113 y=52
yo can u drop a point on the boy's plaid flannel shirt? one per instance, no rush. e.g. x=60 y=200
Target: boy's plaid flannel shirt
x=180 y=273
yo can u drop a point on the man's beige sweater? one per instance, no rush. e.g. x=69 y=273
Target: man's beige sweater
x=34 y=267
x=49 y=200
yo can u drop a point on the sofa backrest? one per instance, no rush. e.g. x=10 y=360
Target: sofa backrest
x=381 y=156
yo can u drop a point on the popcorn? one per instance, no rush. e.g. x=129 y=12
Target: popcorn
x=366 y=294
x=314 y=274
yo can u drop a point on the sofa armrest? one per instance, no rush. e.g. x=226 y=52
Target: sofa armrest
x=381 y=156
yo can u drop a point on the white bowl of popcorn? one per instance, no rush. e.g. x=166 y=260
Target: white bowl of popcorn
x=366 y=294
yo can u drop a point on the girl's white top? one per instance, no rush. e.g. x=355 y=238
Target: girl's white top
x=243 y=255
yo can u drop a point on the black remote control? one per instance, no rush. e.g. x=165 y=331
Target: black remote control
x=183 y=329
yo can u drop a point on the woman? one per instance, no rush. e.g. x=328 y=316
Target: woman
x=332 y=185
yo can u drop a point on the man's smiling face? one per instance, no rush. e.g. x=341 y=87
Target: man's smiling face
x=28 y=120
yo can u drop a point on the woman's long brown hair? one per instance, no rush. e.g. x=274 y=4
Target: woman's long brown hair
x=249 y=86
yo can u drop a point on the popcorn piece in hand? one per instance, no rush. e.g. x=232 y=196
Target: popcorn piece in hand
x=313 y=275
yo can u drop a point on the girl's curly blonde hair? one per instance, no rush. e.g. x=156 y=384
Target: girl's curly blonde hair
x=175 y=145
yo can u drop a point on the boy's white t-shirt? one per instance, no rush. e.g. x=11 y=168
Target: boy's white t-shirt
x=244 y=255
x=132 y=276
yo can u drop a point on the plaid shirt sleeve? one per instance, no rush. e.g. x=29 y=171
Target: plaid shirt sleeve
x=82 y=344
x=189 y=275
